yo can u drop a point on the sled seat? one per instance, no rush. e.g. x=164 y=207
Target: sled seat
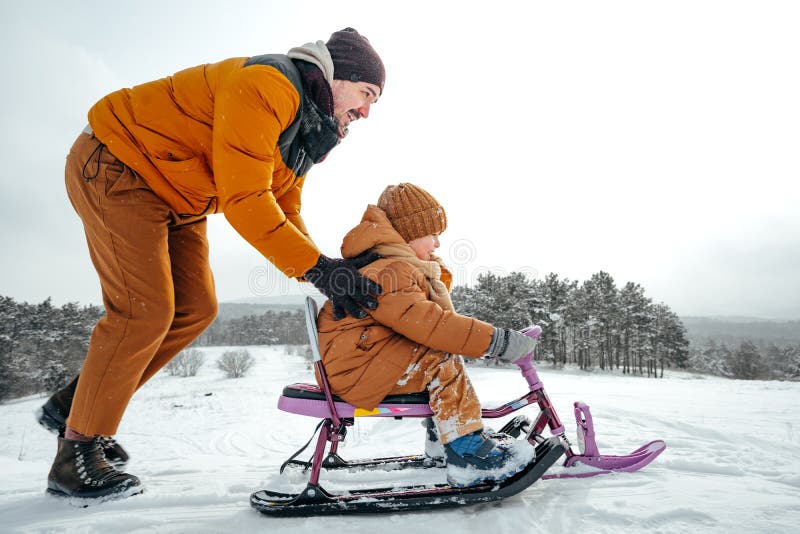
x=314 y=392
x=309 y=399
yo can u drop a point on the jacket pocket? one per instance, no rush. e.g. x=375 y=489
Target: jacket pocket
x=363 y=341
x=120 y=178
x=372 y=336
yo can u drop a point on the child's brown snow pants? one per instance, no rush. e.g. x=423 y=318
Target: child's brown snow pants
x=157 y=286
x=456 y=409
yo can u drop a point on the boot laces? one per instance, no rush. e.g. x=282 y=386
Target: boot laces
x=106 y=442
x=96 y=470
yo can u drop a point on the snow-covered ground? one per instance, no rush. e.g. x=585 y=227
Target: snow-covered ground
x=201 y=445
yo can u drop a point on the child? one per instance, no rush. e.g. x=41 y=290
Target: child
x=413 y=341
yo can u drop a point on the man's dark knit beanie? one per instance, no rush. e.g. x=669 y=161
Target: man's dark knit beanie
x=354 y=59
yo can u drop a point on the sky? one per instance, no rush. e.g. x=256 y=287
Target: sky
x=656 y=141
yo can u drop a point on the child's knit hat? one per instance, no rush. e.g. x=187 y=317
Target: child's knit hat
x=413 y=212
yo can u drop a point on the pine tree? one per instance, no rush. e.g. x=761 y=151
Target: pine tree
x=746 y=362
x=577 y=317
x=792 y=355
x=634 y=315
x=670 y=346
x=601 y=301
x=555 y=294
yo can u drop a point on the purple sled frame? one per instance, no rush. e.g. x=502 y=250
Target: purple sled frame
x=337 y=415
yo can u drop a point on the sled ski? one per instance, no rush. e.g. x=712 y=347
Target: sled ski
x=392 y=463
x=314 y=500
x=586 y=464
x=337 y=415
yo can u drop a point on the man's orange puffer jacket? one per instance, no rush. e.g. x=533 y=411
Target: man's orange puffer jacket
x=220 y=138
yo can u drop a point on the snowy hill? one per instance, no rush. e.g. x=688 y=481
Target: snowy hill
x=201 y=445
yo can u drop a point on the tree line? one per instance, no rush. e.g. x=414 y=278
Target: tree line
x=592 y=324
x=269 y=328
x=42 y=347
x=749 y=361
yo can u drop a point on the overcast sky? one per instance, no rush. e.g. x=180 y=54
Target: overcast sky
x=657 y=141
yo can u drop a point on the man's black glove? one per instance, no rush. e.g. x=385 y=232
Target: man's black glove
x=339 y=280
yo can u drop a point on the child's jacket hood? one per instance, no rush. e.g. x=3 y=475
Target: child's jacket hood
x=374 y=229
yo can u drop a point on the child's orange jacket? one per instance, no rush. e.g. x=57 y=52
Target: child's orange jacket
x=364 y=358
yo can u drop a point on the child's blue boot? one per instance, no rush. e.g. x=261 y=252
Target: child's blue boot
x=479 y=457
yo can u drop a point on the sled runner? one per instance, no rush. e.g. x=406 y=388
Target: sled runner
x=337 y=415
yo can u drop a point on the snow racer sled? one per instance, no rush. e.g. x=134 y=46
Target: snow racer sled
x=336 y=415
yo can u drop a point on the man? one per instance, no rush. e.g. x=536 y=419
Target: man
x=235 y=137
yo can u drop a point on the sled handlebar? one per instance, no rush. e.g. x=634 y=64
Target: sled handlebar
x=525 y=364
x=535 y=384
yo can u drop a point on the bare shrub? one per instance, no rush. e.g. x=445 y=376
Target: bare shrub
x=308 y=355
x=186 y=363
x=235 y=363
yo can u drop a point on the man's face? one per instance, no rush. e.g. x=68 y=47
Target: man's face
x=351 y=101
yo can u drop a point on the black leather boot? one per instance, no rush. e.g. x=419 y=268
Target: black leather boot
x=53 y=414
x=80 y=470
x=53 y=417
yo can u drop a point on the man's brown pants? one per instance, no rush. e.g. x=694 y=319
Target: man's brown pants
x=158 y=290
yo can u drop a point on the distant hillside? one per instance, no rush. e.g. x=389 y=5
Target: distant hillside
x=259 y=305
x=730 y=330
x=734 y=330
x=294 y=299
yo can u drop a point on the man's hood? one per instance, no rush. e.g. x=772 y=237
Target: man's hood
x=316 y=53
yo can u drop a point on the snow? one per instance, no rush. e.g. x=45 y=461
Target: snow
x=202 y=444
